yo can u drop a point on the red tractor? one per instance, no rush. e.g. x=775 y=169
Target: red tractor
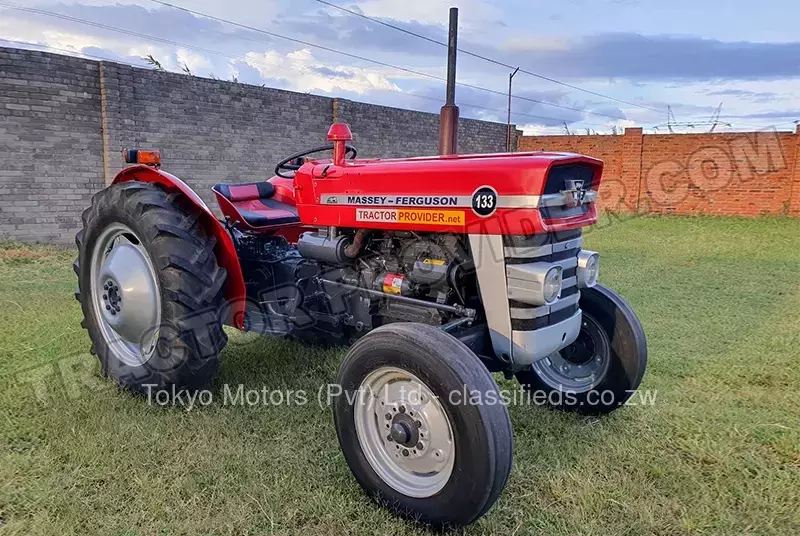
x=442 y=270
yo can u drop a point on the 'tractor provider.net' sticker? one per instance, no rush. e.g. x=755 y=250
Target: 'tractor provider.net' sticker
x=398 y=215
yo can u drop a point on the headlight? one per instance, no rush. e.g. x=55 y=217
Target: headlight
x=536 y=283
x=552 y=285
x=588 y=268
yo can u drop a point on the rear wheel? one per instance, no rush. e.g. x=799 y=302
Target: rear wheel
x=150 y=288
x=601 y=370
x=422 y=426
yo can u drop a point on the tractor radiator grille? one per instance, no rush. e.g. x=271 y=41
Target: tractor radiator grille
x=559 y=247
x=559 y=175
x=558 y=180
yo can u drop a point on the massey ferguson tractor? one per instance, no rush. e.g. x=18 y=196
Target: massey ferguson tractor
x=439 y=270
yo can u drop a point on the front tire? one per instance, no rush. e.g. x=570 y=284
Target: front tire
x=602 y=369
x=428 y=435
x=150 y=288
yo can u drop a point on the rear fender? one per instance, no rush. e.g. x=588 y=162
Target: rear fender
x=234 y=291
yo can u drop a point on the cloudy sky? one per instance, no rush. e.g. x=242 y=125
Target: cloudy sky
x=644 y=54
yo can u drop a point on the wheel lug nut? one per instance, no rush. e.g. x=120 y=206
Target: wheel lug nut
x=389 y=437
x=405 y=452
x=420 y=446
x=402 y=409
x=418 y=423
x=113 y=312
x=105 y=296
x=388 y=416
x=108 y=307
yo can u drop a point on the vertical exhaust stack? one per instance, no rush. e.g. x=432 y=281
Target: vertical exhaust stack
x=448 y=119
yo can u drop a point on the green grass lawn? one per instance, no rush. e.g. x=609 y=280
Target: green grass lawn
x=718 y=452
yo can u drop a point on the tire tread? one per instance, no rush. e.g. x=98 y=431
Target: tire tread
x=178 y=244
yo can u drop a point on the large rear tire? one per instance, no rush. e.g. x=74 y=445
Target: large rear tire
x=428 y=434
x=150 y=288
x=602 y=369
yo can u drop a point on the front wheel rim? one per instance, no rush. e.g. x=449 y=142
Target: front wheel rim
x=404 y=432
x=580 y=366
x=125 y=295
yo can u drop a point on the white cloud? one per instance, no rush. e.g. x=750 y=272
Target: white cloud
x=538 y=130
x=70 y=41
x=309 y=74
x=193 y=60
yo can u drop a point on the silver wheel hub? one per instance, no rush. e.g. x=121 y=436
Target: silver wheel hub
x=581 y=366
x=125 y=294
x=404 y=432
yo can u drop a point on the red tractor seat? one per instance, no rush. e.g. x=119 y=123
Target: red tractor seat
x=253 y=203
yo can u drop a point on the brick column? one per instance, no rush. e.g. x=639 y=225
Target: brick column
x=111 y=120
x=117 y=94
x=794 y=162
x=335 y=103
x=109 y=92
x=631 y=166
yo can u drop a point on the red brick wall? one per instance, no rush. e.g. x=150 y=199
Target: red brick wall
x=746 y=174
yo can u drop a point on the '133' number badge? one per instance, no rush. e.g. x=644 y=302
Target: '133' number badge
x=484 y=201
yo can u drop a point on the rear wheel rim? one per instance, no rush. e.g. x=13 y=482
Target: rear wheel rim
x=582 y=365
x=404 y=432
x=125 y=295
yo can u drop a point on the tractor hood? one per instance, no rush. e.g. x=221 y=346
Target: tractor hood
x=505 y=193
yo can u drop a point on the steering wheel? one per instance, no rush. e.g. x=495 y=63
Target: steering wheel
x=285 y=165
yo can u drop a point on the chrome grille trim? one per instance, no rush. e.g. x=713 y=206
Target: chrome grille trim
x=557 y=200
x=569 y=282
x=527 y=313
x=525 y=252
x=566 y=264
x=536 y=329
x=520 y=287
x=518 y=271
x=534 y=201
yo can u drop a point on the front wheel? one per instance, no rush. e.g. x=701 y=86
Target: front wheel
x=422 y=426
x=601 y=370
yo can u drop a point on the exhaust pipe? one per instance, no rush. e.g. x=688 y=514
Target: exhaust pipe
x=448 y=116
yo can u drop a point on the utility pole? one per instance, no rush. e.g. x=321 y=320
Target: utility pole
x=670 y=119
x=715 y=118
x=508 y=124
x=448 y=118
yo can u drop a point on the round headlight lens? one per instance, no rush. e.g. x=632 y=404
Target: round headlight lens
x=593 y=268
x=588 y=268
x=552 y=285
